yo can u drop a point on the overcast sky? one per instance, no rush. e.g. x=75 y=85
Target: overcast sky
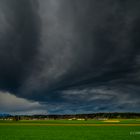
x=69 y=56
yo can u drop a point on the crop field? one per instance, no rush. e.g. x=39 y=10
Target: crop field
x=70 y=130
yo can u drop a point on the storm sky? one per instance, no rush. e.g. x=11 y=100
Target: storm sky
x=69 y=56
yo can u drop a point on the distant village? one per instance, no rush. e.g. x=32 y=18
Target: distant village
x=84 y=117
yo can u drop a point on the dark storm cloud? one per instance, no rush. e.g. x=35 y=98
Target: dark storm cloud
x=51 y=48
x=19 y=38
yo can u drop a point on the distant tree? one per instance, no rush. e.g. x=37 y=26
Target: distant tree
x=16 y=118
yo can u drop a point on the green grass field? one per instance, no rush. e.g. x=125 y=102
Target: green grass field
x=70 y=130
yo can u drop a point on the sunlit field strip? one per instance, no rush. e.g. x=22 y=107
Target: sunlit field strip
x=41 y=124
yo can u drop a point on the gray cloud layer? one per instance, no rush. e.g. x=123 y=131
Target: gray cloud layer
x=51 y=50
x=11 y=103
